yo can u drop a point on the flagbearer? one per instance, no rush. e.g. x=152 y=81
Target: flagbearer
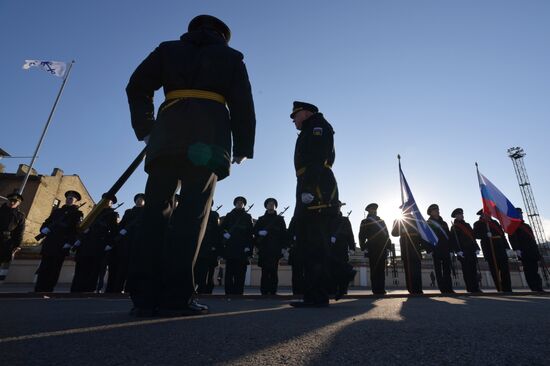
x=374 y=239
x=60 y=229
x=524 y=243
x=494 y=245
x=317 y=201
x=441 y=253
x=411 y=244
x=467 y=249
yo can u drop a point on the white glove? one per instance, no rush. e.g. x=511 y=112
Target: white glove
x=489 y=235
x=518 y=253
x=76 y=243
x=45 y=231
x=307 y=198
x=146 y=139
x=460 y=254
x=108 y=247
x=246 y=250
x=226 y=236
x=67 y=246
x=285 y=253
x=262 y=232
x=238 y=159
x=123 y=232
x=333 y=239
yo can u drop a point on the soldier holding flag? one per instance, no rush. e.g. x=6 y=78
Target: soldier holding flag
x=466 y=248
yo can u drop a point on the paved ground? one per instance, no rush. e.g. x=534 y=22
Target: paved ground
x=461 y=330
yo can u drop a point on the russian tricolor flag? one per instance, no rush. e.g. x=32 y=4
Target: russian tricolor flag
x=497 y=205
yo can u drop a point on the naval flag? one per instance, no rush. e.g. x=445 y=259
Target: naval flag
x=56 y=68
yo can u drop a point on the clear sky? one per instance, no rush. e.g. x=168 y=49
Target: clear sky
x=443 y=83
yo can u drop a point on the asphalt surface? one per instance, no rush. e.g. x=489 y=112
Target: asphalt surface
x=460 y=330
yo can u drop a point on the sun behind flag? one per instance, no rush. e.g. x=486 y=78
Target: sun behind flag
x=409 y=206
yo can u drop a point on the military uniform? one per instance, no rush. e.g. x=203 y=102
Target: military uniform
x=494 y=250
x=341 y=241
x=189 y=142
x=12 y=226
x=441 y=253
x=524 y=243
x=61 y=227
x=316 y=202
x=411 y=245
x=375 y=240
x=295 y=260
x=464 y=241
x=123 y=242
x=238 y=245
x=90 y=250
x=207 y=259
x=270 y=239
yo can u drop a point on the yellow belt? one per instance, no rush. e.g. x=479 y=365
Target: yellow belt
x=303 y=170
x=195 y=93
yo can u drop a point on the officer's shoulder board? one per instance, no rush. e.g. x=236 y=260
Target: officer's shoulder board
x=317 y=131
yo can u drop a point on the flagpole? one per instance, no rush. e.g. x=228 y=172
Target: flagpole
x=490 y=236
x=45 y=129
x=402 y=222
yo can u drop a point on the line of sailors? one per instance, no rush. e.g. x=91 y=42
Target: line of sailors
x=107 y=243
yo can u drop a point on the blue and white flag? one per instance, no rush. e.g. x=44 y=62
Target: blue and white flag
x=409 y=206
x=56 y=68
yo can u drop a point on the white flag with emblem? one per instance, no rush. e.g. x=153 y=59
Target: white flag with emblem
x=56 y=68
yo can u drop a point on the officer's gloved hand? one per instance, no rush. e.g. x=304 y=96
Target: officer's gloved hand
x=460 y=254
x=226 y=236
x=45 y=231
x=518 y=253
x=307 y=198
x=108 y=248
x=146 y=139
x=294 y=238
x=333 y=239
x=67 y=246
x=489 y=235
x=262 y=232
x=123 y=232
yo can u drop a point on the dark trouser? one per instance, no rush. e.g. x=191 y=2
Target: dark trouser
x=235 y=273
x=118 y=273
x=469 y=271
x=270 y=279
x=340 y=271
x=531 y=271
x=163 y=255
x=500 y=268
x=86 y=273
x=413 y=269
x=48 y=273
x=204 y=275
x=313 y=235
x=442 y=269
x=377 y=264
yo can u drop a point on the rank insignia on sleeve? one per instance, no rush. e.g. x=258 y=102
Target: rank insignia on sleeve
x=318 y=131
